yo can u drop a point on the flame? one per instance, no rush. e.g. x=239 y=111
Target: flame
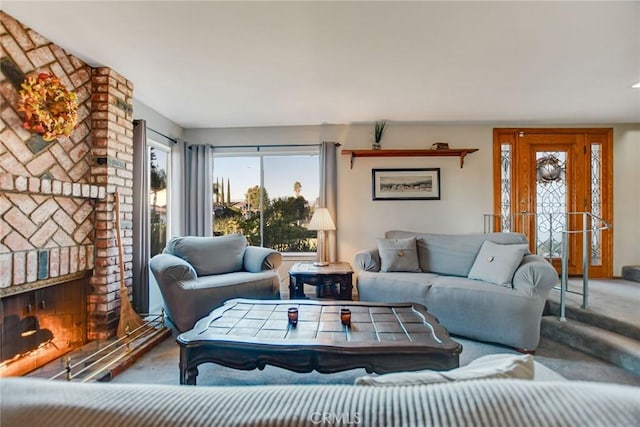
x=65 y=337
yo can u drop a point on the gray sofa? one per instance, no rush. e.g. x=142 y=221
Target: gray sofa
x=198 y=274
x=507 y=313
x=28 y=402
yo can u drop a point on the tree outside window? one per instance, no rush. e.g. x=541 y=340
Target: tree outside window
x=158 y=200
x=284 y=216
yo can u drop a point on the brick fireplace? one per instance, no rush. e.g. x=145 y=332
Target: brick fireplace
x=59 y=274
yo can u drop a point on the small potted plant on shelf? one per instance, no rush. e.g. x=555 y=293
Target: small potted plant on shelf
x=378 y=130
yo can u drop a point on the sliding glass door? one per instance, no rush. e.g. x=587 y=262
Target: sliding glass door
x=268 y=197
x=158 y=210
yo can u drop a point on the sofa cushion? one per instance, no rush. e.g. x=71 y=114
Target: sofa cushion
x=496 y=263
x=398 y=255
x=452 y=254
x=493 y=366
x=210 y=255
x=395 y=287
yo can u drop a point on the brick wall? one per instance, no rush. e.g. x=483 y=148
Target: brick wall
x=113 y=145
x=56 y=198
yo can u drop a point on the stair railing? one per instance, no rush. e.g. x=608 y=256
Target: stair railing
x=524 y=222
x=597 y=224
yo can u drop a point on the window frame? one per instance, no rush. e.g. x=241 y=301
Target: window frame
x=269 y=151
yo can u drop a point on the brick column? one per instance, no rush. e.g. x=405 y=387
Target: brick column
x=112 y=166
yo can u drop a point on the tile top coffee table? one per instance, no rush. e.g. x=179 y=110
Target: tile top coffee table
x=248 y=334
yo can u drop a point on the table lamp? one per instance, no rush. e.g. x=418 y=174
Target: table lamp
x=321 y=221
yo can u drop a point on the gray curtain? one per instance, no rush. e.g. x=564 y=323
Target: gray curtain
x=140 y=218
x=329 y=194
x=198 y=190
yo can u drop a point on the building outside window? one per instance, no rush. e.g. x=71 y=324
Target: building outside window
x=268 y=197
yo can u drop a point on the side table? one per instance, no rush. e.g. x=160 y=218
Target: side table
x=324 y=279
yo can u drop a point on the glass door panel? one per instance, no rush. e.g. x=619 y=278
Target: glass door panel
x=551 y=202
x=550 y=190
x=596 y=204
x=294 y=187
x=236 y=197
x=158 y=198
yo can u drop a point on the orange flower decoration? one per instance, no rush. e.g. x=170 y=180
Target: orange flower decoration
x=49 y=108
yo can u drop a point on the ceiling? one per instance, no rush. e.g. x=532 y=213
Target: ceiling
x=229 y=64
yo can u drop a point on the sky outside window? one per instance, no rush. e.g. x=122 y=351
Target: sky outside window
x=280 y=173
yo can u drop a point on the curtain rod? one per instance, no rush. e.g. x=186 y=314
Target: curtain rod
x=175 y=141
x=136 y=121
x=261 y=146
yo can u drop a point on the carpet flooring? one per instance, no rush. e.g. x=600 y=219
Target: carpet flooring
x=617 y=299
x=554 y=362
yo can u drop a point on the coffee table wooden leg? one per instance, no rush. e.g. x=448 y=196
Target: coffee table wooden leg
x=294 y=292
x=189 y=377
x=188 y=374
x=346 y=288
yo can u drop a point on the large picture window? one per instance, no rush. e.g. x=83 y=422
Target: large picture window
x=268 y=197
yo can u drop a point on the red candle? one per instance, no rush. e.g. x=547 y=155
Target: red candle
x=293 y=316
x=345 y=316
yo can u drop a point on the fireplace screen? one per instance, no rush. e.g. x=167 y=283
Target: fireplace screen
x=40 y=326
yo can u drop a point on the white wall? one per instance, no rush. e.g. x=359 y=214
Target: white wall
x=626 y=189
x=466 y=193
x=169 y=128
x=156 y=121
x=254 y=135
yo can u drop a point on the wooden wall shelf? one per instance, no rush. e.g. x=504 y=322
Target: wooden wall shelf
x=454 y=152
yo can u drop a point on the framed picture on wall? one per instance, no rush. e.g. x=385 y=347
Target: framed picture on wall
x=406 y=184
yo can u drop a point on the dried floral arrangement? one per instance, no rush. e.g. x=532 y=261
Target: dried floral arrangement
x=49 y=108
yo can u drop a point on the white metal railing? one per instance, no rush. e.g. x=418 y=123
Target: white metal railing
x=527 y=223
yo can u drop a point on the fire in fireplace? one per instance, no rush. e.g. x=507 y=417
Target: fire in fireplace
x=41 y=325
x=23 y=336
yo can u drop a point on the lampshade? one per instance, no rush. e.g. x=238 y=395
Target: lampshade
x=321 y=220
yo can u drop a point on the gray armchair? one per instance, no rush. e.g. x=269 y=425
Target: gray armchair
x=198 y=274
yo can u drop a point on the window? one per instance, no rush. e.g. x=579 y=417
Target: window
x=159 y=157
x=269 y=197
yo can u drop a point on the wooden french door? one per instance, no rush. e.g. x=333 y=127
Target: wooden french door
x=549 y=177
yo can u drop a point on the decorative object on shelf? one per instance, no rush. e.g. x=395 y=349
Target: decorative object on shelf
x=440 y=146
x=49 y=108
x=321 y=221
x=378 y=130
x=406 y=184
x=457 y=152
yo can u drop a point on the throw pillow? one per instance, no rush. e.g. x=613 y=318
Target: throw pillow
x=398 y=255
x=492 y=366
x=452 y=254
x=497 y=263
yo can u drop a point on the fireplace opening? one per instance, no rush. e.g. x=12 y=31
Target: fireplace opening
x=41 y=325
x=23 y=336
